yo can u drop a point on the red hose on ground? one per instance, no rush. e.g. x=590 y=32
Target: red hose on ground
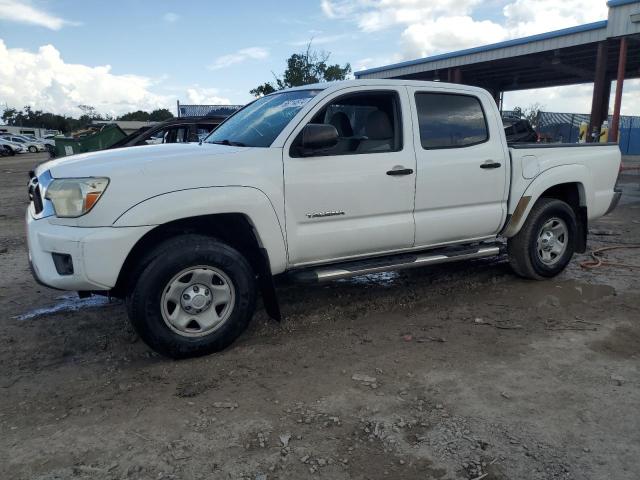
x=598 y=261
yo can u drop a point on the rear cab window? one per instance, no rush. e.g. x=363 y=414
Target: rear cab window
x=450 y=120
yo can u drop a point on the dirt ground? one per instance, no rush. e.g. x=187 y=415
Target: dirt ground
x=457 y=372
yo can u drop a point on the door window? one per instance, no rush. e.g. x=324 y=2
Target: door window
x=178 y=134
x=367 y=122
x=450 y=120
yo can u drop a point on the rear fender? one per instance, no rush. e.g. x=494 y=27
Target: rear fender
x=549 y=178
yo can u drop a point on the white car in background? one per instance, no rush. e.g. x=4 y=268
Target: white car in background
x=28 y=144
x=48 y=140
x=13 y=147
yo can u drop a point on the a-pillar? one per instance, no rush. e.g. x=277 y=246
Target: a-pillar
x=601 y=91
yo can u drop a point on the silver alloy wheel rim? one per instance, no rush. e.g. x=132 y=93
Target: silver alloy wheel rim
x=552 y=241
x=197 y=301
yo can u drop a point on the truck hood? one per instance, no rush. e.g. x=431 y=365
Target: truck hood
x=137 y=174
x=132 y=159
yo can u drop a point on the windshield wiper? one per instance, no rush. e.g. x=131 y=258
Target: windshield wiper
x=229 y=142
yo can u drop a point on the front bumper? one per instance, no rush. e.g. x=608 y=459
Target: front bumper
x=97 y=253
x=617 y=193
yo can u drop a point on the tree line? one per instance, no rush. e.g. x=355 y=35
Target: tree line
x=29 y=117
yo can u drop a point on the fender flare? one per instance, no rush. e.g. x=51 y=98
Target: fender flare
x=251 y=202
x=541 y=183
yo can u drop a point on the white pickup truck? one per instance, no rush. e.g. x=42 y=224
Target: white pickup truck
x=321 y=182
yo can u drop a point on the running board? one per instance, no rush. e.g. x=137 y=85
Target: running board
x=394 y=262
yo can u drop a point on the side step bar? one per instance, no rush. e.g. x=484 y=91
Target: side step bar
x=394 y=262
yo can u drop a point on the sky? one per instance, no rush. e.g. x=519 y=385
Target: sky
x=120 y=56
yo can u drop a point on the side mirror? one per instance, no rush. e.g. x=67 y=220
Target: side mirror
x=317 y=136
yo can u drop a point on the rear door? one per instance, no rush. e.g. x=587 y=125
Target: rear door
x=462 y=166
x=352 y=200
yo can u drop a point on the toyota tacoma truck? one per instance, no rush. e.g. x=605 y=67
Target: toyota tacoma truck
x=320 y=182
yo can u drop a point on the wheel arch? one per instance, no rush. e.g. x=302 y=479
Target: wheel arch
x=250 y=204
x=234 y=229
x=569 y=183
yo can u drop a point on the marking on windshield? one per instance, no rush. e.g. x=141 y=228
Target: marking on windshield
x=298 y=102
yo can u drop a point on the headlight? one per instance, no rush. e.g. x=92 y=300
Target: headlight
x=73 y=197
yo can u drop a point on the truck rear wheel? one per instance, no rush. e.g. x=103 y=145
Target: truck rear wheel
x=195 y=297
x=545 y=244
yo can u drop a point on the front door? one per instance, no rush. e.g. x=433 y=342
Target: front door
x=354 y=199
x=462 y=167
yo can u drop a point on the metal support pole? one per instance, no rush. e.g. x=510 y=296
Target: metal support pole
x=571 y=128
x=496 y=97
x=599 y=91
x=457 y=75
x=622 y=62
x=178 y=107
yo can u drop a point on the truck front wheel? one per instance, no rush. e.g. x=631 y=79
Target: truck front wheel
x=545 y=244
x=195 y=297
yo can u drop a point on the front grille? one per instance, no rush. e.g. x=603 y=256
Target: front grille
x=37 y=200
x=34 y=193
x=37 y=193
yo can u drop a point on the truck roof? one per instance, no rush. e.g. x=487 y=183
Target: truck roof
x=383 y=82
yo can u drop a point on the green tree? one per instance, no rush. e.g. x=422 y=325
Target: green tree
x=160 y=115
x=139 y=115
x=304 y=68
x=529 y=113
x=265 y=89
x=38 y=119
x=9 y=115
x=89 y=111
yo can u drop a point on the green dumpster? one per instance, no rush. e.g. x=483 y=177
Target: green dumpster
x=99 y=140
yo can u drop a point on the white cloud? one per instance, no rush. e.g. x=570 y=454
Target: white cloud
x=21 y=11
x=574 y=98
x=449 y=34
x=370 y=62
x=251 y=53
x=171 y=17
x=45 y=81
x=206 y=96
x=374 y=15
x=528 y=17
x=430 y=27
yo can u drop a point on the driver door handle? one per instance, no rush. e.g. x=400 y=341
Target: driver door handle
x=490 y=164
x=399 y=170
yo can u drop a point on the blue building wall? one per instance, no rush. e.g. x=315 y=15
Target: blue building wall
x=565 y=127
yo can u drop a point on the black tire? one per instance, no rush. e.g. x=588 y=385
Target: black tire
x=522 y=248
x=33 y=149
x=171 y=257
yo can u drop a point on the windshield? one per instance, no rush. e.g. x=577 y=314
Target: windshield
x=259 y=123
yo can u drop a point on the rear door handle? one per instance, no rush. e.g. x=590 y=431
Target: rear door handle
x=399 y=170
x=490 y=164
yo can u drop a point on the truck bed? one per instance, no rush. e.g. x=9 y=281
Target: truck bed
x=593 y=166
